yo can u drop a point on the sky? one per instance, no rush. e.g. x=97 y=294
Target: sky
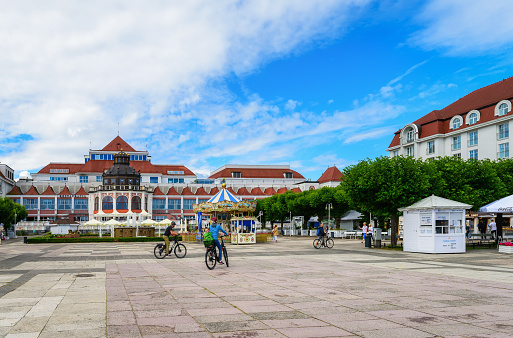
x=310 y=84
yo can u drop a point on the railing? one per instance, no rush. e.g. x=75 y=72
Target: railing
x=120 y=187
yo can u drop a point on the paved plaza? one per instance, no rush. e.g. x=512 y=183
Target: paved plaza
x=284 y=289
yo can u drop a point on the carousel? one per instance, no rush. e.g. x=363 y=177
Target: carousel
x=231 y=213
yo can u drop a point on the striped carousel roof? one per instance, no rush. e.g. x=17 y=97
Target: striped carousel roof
x=223 y=195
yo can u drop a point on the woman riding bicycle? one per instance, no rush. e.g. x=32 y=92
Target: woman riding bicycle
x=214 y=230
x=167 y=233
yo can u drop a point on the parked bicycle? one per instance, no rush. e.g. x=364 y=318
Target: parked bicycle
x=178 y=248
x=211 y=256
x=323 y=242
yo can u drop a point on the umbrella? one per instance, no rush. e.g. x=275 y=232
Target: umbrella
x=92 y=222
x=112 y=222
x=148 y=222
x=504 y=205
x=165 y=222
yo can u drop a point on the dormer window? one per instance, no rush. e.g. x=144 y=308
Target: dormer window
x=410 y=135
x=473 y=117
x=287 y=175
x=236 y=174
x=456 y=122
x=503 y=108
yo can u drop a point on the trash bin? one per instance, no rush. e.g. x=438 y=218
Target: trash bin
x=368 y=240
x=25 y=240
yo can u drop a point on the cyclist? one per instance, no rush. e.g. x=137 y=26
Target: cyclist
x=214 y=230
x=321 y=232
x=167 y=233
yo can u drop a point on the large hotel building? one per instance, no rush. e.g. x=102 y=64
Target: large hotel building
x=119 y=181
x=474 y=127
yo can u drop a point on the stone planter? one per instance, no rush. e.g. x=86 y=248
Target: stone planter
x=506 y=249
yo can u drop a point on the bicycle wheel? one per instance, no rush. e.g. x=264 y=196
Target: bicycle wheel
x=225 y=254
x=160 y=251
x=210 y=258
x=330 y=242
x=180 y=250
x=317 y=243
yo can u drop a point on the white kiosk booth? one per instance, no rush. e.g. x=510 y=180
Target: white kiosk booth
x=434 y=225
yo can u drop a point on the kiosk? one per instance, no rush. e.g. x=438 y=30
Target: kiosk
x=434 y=225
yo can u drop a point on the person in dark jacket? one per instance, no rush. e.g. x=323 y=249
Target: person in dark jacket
x=169 y=232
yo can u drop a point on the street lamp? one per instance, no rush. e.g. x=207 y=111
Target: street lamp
x=290 y=222
x=329 y=206
x=260 y=214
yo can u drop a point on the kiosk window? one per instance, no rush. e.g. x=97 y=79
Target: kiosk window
x=442 y=227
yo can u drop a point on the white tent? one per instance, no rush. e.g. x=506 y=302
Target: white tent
x=502 y=206
x=148 y=221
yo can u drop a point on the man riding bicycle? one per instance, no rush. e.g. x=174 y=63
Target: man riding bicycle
x=169 y=232
x=321 y=233
x=214 y=231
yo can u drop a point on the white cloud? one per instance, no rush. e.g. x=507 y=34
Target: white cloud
x=71 y=71
x=370 y=134
x=465 y=27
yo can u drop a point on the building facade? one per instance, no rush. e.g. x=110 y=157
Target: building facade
x=81 y=191
x=474 y=127
x=6 y=179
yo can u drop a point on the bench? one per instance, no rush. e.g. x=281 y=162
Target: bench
x=481 y=239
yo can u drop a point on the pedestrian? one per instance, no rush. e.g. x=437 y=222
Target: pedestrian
x=364 y=230
x=467 y=229
x=482 y=228
x=275 y=234
x=493 y=229
x=370 y=230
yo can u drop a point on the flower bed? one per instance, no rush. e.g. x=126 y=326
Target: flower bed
x=506 y=247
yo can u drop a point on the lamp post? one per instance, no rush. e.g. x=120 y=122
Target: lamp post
x=259 y=217
x=290 y=222
x=329 y=206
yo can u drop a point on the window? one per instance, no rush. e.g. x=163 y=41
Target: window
x=473 y=154
x=456 y=123
x=96 y=200
x=99 y=179
x=204 y=181
x=159 y=218
x=179 y=172
x=456 y=142
x=59 y=171
x=174 y=204
x=503 y=131
x=64 y=204
x=187 y=204
x=122 y=181
x=58 y=178
x=200 y=200
x=287 y=175
x=472 y=139
x=176 y=180
x=473 y=117
x=84 y=179
x=154 y=180
x=136 y=203
x=410 y=151
x=121 y=203
x=107 y=203
x=504 y=150
x=458 y=155
x=236 y=174
x=503 y=109
x=81 y=204
x=17 y=200
x=47 y=204
x=30 y=203
x=395 y=153
x=431 y=147
x=410 y=135
x=159 y=204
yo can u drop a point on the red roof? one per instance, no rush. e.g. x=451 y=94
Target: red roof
x=118 y=144
x=256 y=173
x=201 y=191
x=214 y=191
x=296 y=190
x=15 y=191
x=33 y=191
x=243 y=192
x=65 y=191
x=270 y=191
x=81 y=192
x=230 y=189
x=72 y=167
x=157 y=191
x=483 y=99
x=48 y=191
x=282 y=190
x=256 y=192
x=172 y=191
x=98 y=166
x=332 y=174
x=187 y=191
x=164 y=168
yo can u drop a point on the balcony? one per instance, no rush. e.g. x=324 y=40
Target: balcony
x=121 y=188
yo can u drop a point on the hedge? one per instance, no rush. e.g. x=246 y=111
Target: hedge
x=38 y=240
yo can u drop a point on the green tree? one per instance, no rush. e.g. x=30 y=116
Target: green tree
x=11 y=212
x=383 y=185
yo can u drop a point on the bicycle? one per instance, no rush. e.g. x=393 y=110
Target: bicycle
x=211 y=256
x=323 y=242
x=178 y=248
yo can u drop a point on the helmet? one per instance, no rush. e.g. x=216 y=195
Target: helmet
x=213 y=219
x=173 y=223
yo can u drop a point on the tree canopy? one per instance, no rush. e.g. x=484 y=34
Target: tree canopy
x=11 y=212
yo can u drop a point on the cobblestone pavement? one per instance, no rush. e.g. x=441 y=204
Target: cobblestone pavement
x=284 y=289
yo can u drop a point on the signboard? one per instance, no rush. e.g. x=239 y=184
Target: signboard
x=426 y=220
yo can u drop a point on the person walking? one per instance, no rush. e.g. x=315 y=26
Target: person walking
x=493 y=229
x=214 y=230
x=275 y=234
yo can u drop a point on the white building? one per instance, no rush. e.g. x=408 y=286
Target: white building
x=474 y=127
x=6 y=179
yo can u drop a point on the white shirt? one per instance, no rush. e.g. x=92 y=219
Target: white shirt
x=364 y=229
x=370 y=229
x=493 y=226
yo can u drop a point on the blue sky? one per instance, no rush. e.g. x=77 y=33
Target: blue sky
x=200 y=83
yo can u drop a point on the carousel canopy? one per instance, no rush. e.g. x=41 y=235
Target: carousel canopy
x=504 y=205
x=223 y=195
